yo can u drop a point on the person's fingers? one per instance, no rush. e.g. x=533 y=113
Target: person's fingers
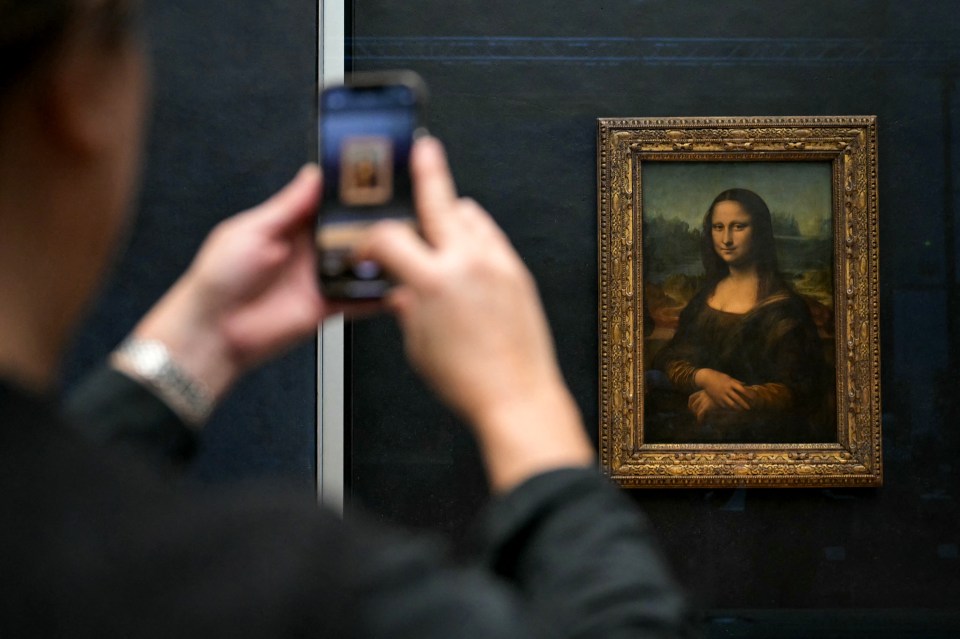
x=294 y=204
x=735 y=402
x=699 y=403
x=399 y=300
x=477 y=223
x=435 y=193
x=699 y=410
x=398 y=249
x=738 y=394
x=696 y=407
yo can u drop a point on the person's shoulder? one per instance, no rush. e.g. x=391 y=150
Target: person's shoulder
x=782 y=300
x=781 y=313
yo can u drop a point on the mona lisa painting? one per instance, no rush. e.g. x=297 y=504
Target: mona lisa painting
x=738 y=302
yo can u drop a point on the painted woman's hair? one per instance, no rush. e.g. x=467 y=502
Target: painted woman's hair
x=764 y=250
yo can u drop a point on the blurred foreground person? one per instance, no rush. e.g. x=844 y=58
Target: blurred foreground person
x=97 y=540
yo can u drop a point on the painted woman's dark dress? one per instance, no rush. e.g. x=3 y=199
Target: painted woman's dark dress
x=774 y=349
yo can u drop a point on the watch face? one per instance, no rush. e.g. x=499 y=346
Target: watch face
x=151 y=358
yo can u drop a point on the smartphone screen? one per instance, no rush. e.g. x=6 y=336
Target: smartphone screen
x=366 y=133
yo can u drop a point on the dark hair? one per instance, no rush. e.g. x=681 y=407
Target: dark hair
x=32 y=30
x=763 y=251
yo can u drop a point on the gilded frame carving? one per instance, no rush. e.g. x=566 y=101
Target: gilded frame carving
x=849 y=145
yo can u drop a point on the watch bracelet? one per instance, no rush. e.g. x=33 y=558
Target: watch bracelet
x=150 y=362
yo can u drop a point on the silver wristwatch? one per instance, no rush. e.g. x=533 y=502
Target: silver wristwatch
x=149 y=361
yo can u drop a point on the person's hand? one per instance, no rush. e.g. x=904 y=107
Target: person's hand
x=474 y=328
x=725 y=391
x=701 y=405
x=250 y=293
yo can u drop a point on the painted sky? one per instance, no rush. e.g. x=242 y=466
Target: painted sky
x=686 y=189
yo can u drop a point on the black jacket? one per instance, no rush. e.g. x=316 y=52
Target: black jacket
x=96 y=541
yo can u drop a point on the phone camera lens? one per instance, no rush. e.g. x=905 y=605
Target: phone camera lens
x=366 y=270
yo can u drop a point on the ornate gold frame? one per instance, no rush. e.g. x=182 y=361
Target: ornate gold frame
x=850 y=144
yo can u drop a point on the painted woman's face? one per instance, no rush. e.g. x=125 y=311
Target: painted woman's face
x=732 y=231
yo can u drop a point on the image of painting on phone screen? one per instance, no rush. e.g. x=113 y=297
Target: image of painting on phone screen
x=366 y=171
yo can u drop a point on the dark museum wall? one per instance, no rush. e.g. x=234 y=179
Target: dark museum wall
x=516 y=89
x=234 y=88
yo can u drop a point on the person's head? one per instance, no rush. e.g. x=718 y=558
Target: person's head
x=34 y=33
x=738 y=231
x=72 y=96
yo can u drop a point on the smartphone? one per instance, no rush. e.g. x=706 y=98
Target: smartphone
x=366 y=131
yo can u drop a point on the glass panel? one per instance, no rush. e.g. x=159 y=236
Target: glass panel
x=515 y=92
